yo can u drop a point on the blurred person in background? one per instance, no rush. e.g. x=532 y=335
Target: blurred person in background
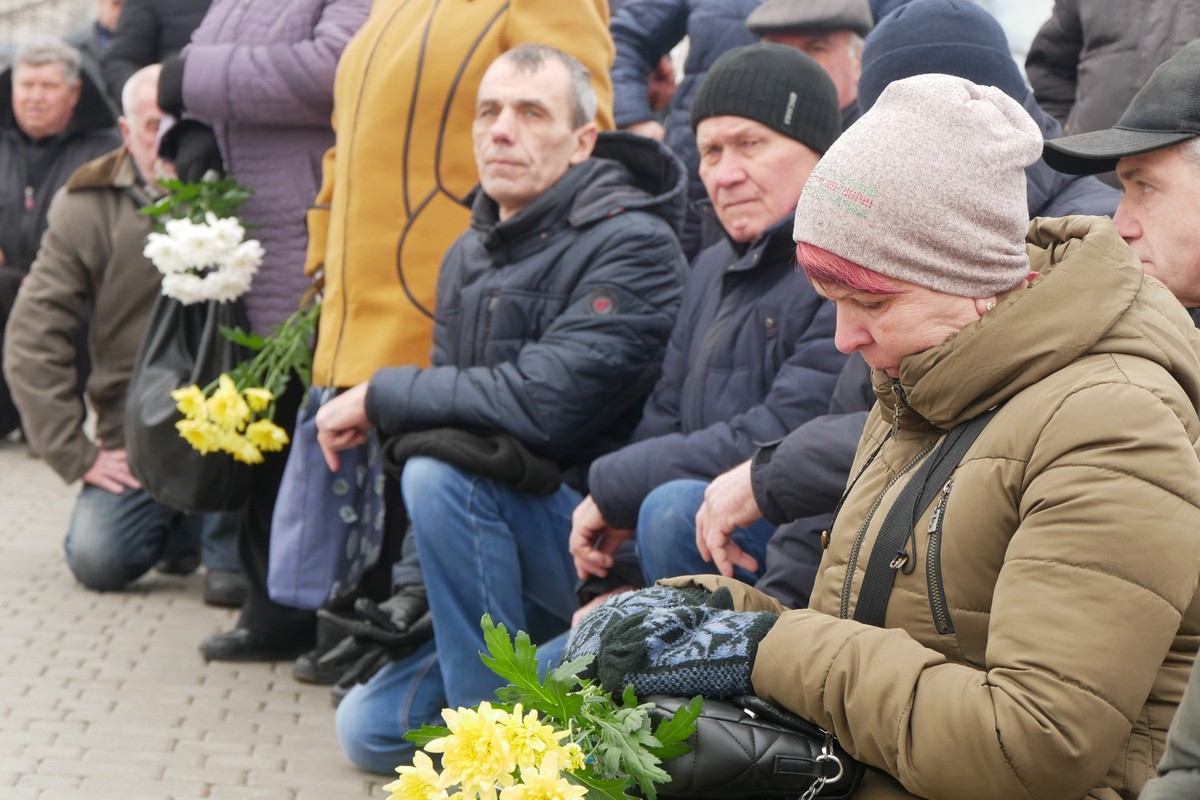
x=92 y=39
x=91 y=286
x=643 y=32
x=829 y=32
x=1090 y=58
x=53 y=119
x=148 y=32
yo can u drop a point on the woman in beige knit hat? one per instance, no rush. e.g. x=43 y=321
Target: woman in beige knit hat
x=1027 y=629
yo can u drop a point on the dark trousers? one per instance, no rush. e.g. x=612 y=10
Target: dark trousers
x=260 y=613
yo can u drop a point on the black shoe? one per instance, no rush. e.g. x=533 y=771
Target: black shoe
x=338 y=691
x=309 y=668
x=182 y=564
x=243 y=644
x=224 y=589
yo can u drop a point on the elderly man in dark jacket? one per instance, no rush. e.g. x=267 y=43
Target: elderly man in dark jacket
x=752 y=355
x=554 y=310
x=54 y=119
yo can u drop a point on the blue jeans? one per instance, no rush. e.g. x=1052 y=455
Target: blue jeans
x=484 y=548
x=666 y=535
x=114 y=539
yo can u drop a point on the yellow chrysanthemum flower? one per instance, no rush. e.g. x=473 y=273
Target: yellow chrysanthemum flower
x=190 y=402
x=247 y=453
x=528 y=738
x=476 y=754
x=417 y=782
x=258 y=398
x=226 y=407
x=201 y=434
x=572 y=756
x=266 y=435
x=544 y=784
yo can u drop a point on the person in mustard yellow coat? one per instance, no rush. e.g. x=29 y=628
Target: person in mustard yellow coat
x=393 y=199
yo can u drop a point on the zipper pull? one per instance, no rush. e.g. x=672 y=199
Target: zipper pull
x=29 y=198
x=895 y=419
x=936 y=517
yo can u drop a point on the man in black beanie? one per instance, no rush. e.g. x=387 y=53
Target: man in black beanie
x=752 y=355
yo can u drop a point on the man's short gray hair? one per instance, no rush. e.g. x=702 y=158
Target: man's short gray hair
x=1190 y=150
x=49 y=50
x=531 y=57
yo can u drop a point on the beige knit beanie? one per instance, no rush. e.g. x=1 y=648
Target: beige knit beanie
x=928 y=187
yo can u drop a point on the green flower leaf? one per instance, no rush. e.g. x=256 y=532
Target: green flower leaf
x=426 y=734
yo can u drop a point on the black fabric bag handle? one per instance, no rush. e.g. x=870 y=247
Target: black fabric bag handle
x=889 y=553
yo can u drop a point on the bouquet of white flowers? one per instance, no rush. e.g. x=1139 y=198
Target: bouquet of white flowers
x=209 y=260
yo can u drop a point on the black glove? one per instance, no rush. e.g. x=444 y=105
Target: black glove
x=379 y=633
x=685 y=651
x=586 y=637
x=192 y=147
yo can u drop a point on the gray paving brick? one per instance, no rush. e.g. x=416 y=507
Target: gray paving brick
x=106 y=696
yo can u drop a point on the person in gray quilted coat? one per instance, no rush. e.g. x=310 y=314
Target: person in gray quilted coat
x=254 y=95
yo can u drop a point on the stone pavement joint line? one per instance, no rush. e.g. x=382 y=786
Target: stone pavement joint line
x=105 y=695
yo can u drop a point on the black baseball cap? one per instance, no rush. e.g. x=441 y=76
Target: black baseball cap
x=1164 y=112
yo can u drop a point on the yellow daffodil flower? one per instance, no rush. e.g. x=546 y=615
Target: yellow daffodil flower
x=226 y=407
x=190 y=402
x=266 y=435
x=201 y=434
x=258 y=398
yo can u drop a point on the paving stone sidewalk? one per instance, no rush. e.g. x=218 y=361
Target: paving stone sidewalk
x=105 y=696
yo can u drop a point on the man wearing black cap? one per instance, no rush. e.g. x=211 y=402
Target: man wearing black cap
x=752 y=355
x=829 y=32
x=1155 y=150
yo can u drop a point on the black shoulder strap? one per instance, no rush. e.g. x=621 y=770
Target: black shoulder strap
x=889 y=553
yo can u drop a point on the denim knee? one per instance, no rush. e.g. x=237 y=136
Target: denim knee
x=666 y=530
x=372 y=718
x=96 y=562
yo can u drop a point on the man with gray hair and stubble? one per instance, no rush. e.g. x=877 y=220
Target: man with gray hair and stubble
x=52 y=120
x=91 y=286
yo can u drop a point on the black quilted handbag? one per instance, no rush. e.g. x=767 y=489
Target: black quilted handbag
x=748 y=749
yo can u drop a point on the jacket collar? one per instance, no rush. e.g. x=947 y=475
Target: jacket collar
x=113 y=170
x=1088 y=284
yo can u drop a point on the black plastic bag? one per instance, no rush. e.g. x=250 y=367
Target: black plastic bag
x=182 y=346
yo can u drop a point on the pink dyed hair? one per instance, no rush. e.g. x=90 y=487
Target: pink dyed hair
x=830 y=269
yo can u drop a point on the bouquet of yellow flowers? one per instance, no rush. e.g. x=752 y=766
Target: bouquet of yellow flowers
x=558 y=739
x=201 y=250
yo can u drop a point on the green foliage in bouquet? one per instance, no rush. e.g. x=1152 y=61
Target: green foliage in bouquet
x=619 y=745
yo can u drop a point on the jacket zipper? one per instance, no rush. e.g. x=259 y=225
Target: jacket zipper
x=933 y=565
x=861 y=534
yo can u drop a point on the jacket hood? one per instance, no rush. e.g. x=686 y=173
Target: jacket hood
x=632 y=173
x=92 y=112
x=1091 y=298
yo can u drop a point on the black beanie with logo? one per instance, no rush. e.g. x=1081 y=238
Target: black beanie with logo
x=777 y=86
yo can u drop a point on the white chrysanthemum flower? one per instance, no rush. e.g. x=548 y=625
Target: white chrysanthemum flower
x=227 y=231
x=164 y=253
x=246 y=258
